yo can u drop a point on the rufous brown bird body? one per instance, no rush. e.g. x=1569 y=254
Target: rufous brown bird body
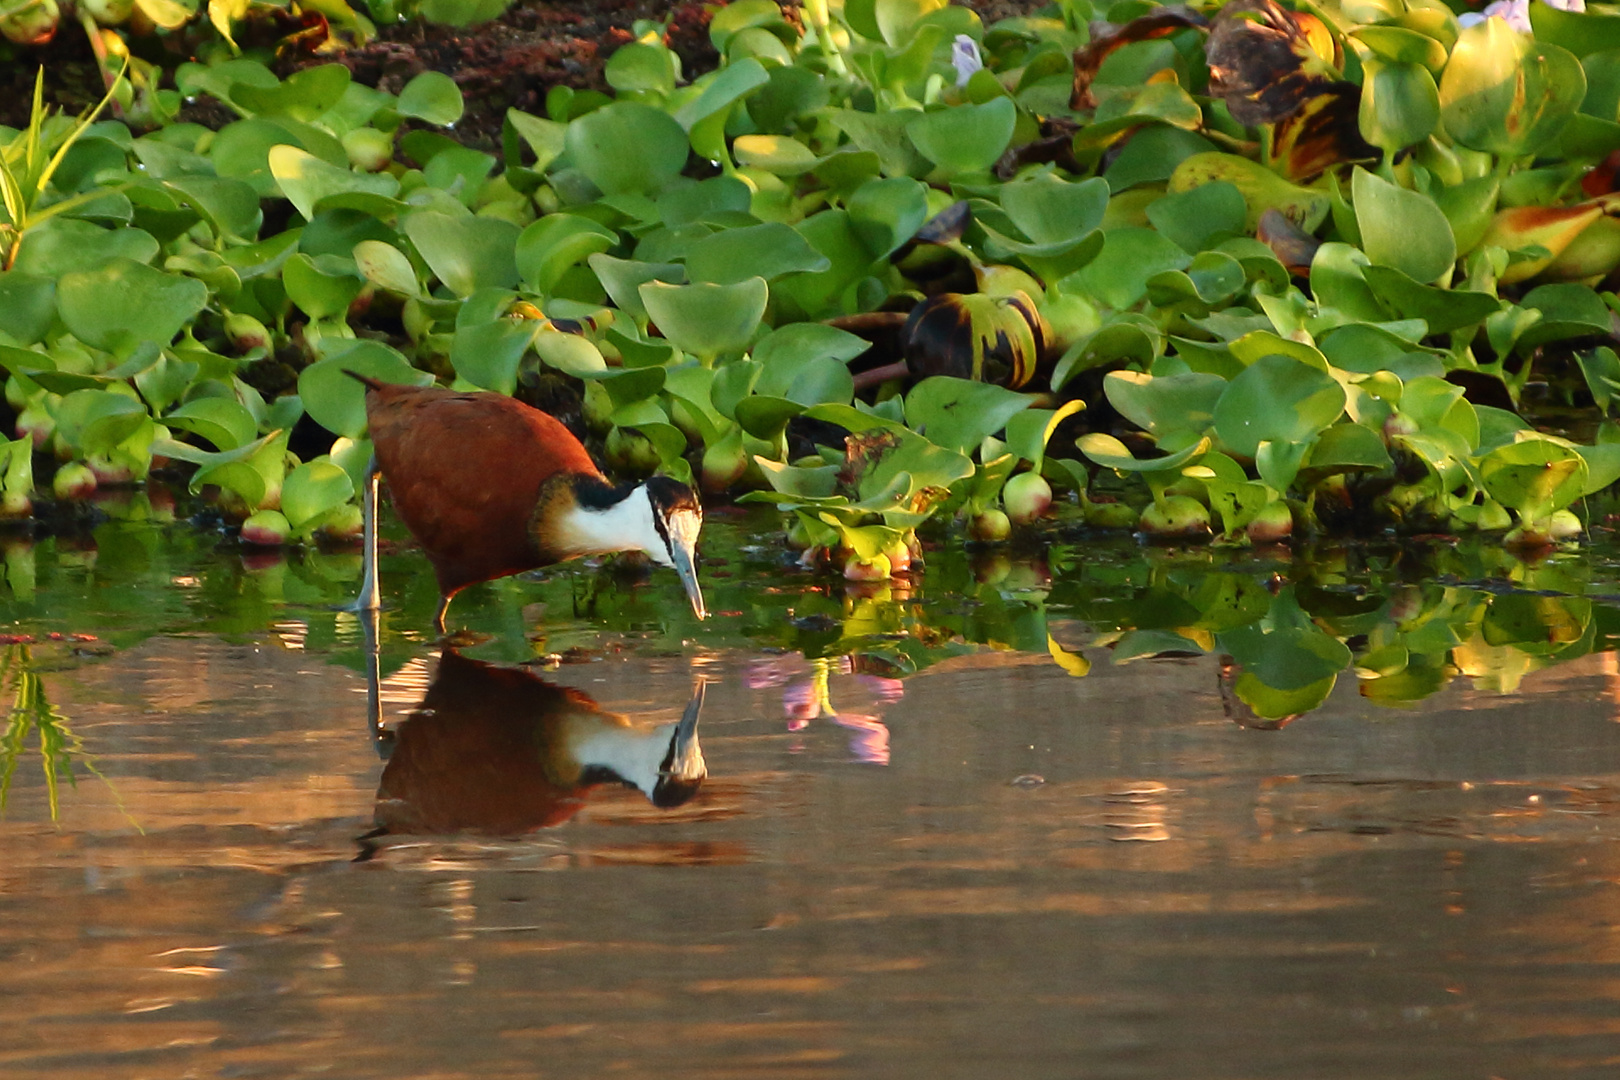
x=491 y=487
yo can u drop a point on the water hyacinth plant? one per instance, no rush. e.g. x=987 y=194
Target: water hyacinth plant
x=1247 y=271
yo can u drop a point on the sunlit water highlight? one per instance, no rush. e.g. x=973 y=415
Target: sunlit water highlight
x=925 y=847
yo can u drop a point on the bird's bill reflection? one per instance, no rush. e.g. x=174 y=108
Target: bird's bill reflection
x=499 y=751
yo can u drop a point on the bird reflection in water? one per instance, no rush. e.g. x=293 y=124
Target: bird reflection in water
x=498 y=751
x=807 y=696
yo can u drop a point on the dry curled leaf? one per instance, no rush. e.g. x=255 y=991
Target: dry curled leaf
x=1088 y=59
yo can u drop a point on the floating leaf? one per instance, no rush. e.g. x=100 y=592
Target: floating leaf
x=965 y=138
x=1402 y=229
x=432 y=97
x=125 y=303
x=1506 y=93
x=628 y=147
x=467 y=254
x=310 y=183
x=959 y=413
x=313 y=489
x=1276 y=399
x=337 y=402
x=704 y=319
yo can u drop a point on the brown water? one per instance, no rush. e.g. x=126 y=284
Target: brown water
x=985 y=868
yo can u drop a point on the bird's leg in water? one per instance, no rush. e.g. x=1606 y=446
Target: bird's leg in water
x=381 y=738
x=368 y=600
x=438 y=616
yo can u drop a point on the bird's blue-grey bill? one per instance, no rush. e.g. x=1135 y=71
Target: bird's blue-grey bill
x=683 y=566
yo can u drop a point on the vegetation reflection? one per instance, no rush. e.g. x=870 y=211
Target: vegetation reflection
x=32 y=714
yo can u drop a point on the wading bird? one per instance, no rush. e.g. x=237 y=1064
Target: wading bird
x=491 y=487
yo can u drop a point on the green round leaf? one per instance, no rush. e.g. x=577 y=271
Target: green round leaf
x=307 y=181
x=222 y=421
x=1276 y=399
x=965 y=138
x=322 y=289
x=1402 y=229
x=433 y=97
x=1400 y=103
x=1506 y=93
x=704 y=319
x=386 y=267
x=767 y=250
x=628 y=147
x=312 y=489
x=125 y=303
x=337 y=402
x=467 y=254
x=1534 y=476
x=548 y=247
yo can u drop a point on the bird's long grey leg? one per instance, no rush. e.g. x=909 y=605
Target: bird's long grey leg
x=368 y=599
x=438 y=616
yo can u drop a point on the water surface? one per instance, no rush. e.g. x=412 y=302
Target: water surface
x=1023 y=817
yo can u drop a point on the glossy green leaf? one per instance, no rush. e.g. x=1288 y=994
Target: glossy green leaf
x=1276 y=399
x=1119 y=274
x=704 y=319
x=488 y=354
x=432 y=97
x=1162 y=405
x=964 y=138
x=313 y=489
x=125 y=303
x=222 y=421
x=324 y=287
x=1402 y=229
x=547 y=248
x=1442 y=309
x=1505 y=93
x=308 y=182
x=767 y=251
x=467 y=254
x=386 y=267
x=959 y=413
x=1110 y=453
x=1400 y=103
x=27 y=306
x=628 y=147
x=1534 y=476
x=62 y=246
x=337 y=402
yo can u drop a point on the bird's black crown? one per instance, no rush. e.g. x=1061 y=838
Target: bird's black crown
x=669 y=495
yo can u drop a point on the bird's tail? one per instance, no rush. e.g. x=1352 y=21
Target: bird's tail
x=371 y=384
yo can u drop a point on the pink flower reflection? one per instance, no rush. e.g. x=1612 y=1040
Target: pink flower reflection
x=806 y=698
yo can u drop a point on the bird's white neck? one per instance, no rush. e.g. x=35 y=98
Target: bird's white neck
x=627 y=525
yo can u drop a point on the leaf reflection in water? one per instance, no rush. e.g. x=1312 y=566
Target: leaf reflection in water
x=498 y=751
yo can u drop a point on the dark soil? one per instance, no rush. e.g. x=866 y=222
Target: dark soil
x=511 y=62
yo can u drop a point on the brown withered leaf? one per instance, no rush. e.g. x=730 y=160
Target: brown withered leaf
x=1261 y=62
x=1293 y=246
x=1324 y=132
x=862 y=451
x=1604 y=177
x=1088 y=59
x=995 y=339
x=1054 y=147
x=945 y=226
